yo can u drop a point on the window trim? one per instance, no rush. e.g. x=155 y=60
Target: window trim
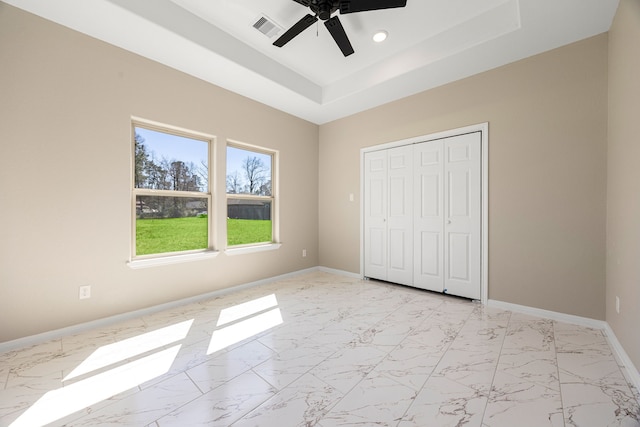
x=145 y=261
x=139 y=261
x=274 y=199
x=251 y=248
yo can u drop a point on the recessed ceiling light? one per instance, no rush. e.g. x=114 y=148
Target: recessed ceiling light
x=380 y=36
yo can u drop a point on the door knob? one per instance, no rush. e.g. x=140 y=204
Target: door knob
x=448 y=221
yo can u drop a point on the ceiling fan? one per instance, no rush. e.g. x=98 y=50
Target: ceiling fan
x=323 y=9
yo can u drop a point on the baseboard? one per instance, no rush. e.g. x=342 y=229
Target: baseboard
x=632 y=372
x=547 y=314
x=107 y=321
x=340 y=272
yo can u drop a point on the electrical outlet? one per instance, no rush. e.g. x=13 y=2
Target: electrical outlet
x=304 y=253
x=85 y=292
x=617 y=304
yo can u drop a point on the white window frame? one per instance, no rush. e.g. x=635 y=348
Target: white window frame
x=148 y=260
x=274 y=199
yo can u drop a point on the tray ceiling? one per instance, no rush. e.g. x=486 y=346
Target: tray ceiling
x=430 y=43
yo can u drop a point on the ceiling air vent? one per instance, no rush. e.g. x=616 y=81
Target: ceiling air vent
x=266 y=26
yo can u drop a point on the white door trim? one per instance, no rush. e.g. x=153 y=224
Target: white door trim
x=484 y=129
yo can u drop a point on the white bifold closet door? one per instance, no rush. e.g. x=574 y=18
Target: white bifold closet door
x=447 y=215
x=422 y=215
x=388 y=222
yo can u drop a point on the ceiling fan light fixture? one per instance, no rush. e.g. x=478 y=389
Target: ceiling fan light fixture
x=380 y=36
x=322 y=10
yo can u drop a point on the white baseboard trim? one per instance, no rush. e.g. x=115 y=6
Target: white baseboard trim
x=547 y=314
x=340 y=272
x=632 y=372
x=107 y=321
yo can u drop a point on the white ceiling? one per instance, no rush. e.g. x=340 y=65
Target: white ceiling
x=430 y=43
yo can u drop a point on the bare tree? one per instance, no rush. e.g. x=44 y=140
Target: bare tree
x=234 y=183
x=141 y=159
x=265 y=188
x=255 y=172
x=202 y=170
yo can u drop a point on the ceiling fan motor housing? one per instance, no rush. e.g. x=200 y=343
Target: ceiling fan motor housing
x=324 y=8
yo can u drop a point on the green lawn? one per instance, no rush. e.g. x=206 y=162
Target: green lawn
x=243 y=231
x=155 y=236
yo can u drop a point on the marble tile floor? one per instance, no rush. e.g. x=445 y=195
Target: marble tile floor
x=322 y=350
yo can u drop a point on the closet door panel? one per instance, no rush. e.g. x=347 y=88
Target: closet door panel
x=429 y=256
x=463 y=215
x=428 y=216
x=400 y=221
x=459 y=256
x=376 y=251
x=375 y=213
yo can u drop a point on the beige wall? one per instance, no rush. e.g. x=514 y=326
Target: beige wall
x=65 y=112
x=547 y=173
x=623 y=189
x=65 y=106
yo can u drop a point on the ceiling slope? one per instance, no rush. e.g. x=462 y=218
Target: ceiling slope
x=430 y=43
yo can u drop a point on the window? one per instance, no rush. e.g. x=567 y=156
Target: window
x=250 y=195
x=172 y=199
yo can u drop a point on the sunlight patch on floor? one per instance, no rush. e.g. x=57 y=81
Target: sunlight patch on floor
x=59 y=403
x=131 y=347
x=252 y=324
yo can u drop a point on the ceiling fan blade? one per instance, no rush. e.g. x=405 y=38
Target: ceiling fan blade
x=305 y=3
x=339 y=35
x=350 y=6
x=297 y=28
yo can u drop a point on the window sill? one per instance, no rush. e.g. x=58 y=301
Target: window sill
x=171 y=259
x=252 y=249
